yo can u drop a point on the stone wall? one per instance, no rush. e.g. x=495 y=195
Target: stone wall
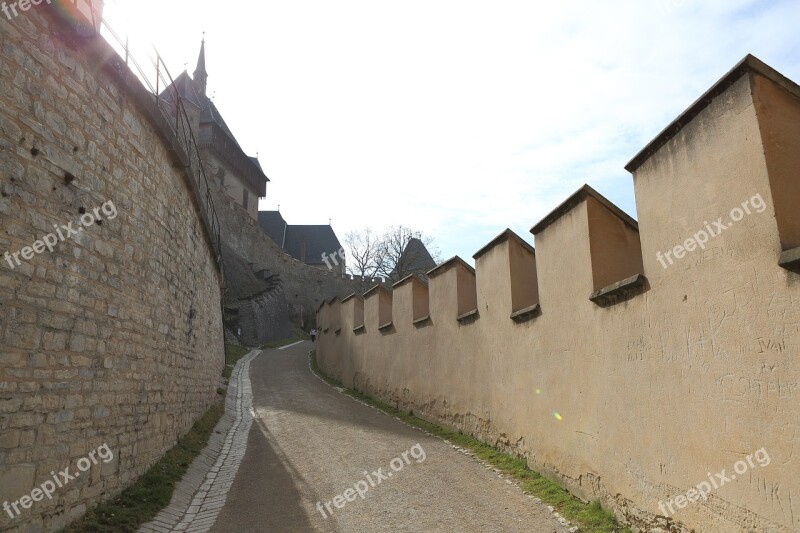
x=631 y=375
x=265 y=318
x=304 y=286
x=256 y=309
x=114 y=337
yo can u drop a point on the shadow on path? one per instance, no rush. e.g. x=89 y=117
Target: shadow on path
x=270 y=491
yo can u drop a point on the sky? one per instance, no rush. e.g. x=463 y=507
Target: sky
x=456 y=118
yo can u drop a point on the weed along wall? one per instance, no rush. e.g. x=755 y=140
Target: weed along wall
x=111 y=340
x=642 y=385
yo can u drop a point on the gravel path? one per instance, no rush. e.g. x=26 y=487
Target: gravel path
x=309 y=443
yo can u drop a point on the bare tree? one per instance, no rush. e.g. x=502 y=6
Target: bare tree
x=365 y=254
x=405 y=251
x=400 y=251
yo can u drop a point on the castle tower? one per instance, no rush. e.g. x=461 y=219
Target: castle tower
x=200 y=74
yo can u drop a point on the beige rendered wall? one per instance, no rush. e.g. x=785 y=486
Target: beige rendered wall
x=779 y=114
x=637 y=402
x=420 y=300
x=615 y=248
x=524 y=282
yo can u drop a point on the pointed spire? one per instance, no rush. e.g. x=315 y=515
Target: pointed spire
x=200 y=74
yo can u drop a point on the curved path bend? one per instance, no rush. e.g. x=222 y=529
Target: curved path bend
x=308 y=443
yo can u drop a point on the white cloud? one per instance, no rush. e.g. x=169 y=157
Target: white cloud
x=459 y=118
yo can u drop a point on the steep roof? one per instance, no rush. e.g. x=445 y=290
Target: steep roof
x=193 y=90
x=317 y=240
x=415 y=258
x=273 y=224
x=211 y=114
x=185 y=87
x=188 y=90
x=201 y=61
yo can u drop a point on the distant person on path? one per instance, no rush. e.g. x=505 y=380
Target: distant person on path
x=313 y=334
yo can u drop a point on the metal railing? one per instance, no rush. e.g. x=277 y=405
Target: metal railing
x=174 y=112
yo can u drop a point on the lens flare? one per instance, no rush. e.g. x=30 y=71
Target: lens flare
x=558 y=416
x=83 y=15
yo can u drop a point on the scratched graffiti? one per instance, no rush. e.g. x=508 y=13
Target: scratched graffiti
x=771 y=345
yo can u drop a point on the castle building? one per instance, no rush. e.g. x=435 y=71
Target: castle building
x=315 y=245
x=239 y=175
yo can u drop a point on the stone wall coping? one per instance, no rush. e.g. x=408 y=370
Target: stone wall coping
x=575 y=200
x=447 y=265
x=355 y=295
x=527 y=313
x=408 y=279
x=749 y=63
x=621 y=289
x=468 y=317
x=421 y=321
x=374 y=290
x=790 y=260
x=503 y=237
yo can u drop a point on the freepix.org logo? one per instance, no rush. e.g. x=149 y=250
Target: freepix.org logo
x=59 y=480
x=360 y=488
x=62 y=233
x=10 y=10
x=327 y=258
x=701 y=238
x=714 y=482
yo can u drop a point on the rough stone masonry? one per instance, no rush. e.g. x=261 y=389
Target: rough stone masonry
x=114 y=337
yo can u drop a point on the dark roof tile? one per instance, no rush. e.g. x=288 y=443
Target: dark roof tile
x=315 y=239
x=273 y=224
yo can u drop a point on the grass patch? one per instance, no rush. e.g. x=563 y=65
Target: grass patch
x=142 y=501
x=589 y=517
x=297 y=335
x=232 y=354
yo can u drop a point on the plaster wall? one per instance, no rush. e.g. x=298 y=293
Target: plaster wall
x=633 y=403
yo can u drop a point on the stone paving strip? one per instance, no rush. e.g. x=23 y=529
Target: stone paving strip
x=202 y=492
